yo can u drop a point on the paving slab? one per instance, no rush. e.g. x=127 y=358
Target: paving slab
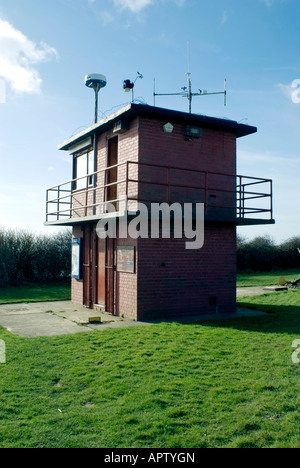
x=33 y=320
x=276 y=288
x=55 y=318
x=255 y=291
x=65 y=318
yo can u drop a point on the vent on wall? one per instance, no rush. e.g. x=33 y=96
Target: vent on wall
x=121 y=127
x=213 y=301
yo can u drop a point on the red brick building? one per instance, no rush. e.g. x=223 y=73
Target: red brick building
x=147 y=154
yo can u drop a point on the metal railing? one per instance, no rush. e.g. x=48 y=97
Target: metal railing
x=226 y=196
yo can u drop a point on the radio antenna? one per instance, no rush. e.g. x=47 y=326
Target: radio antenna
x=187 y=91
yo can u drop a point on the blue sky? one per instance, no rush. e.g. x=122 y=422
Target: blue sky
x=46 y=48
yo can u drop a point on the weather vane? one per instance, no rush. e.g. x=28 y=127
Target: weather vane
x=128 y=85
x=187 y=91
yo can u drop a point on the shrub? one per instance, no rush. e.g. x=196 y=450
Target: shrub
x=263 y=254
x=289 y=258
x=26 y=257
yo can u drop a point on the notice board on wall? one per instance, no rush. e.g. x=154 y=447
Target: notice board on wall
x=76 y=259
x=126 y=259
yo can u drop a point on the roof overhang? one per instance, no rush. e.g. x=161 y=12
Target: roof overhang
x=134 y=110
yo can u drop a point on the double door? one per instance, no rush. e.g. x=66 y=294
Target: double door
x=99 y=275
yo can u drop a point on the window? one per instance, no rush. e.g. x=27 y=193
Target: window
x=84 y=169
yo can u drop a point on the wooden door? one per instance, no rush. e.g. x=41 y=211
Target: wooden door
x=110 y=276
x=89 y=266
x=101 y=262
x=112 y=174
x=106 y=273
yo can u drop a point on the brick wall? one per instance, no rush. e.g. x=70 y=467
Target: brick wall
x=214 y=153
x=170 y=280
x=127 y=151
x=126 y=285
x=176 y=281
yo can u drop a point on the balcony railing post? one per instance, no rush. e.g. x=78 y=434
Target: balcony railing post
x=241 y=197
x=58 y=200
x=271 y=196
x=242 y=189
x=251 y=193
x=206 y=193
x=168 y=186
x=127 y=177
x=71 y=201
x=86 y=195
x=238 y=193
x=47 y=205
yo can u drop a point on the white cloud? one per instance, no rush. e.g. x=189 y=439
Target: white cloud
x=268 y=3
x=19 y=57
x=224 y=18
x=134 y=5
x=106 y=17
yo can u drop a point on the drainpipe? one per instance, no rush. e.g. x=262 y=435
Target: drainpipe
x=95 y=177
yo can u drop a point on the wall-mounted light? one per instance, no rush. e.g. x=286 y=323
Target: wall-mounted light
x=128 y=85
x=193 y=132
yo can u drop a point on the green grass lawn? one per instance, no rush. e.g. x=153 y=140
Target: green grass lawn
x=35 y=293
x=265 y=279
x=215 y=384
x=288 y=301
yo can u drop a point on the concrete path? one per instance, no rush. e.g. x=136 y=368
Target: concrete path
x=52 y=319
x=259 y=290
x=65 y=318
x=251 y=291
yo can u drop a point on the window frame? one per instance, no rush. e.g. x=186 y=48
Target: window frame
x=89 y=172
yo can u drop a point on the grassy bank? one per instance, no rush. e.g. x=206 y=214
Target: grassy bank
x=215 y=384
x=265 y=279
x=35 y=293
x=283 y=302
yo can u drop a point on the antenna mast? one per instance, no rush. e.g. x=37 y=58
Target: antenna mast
x=187 y=91
x=96 y=82
x=188 y=74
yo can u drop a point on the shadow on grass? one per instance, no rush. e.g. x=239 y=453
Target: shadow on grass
x=279 y=319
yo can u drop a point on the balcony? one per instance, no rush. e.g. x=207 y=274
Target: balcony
x=238 y=199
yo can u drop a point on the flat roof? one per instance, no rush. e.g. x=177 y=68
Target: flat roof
x=133 y=110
